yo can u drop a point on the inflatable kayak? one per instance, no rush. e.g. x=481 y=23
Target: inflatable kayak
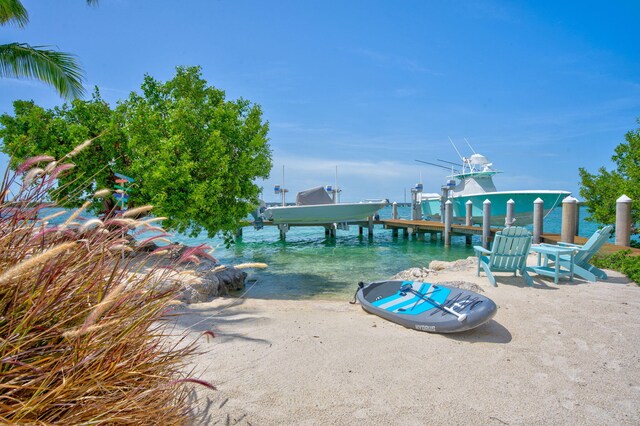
x=426 y=307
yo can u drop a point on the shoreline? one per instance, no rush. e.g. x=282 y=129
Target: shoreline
x=564 y=353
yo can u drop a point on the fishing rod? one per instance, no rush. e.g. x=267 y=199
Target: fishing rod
x=454 y=147
x=433 y=164
x=472 y=150
x=450 y=162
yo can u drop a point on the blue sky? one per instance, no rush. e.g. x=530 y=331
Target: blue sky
x=539 y=87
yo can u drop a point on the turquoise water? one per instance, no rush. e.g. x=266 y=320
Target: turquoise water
x=307 y=265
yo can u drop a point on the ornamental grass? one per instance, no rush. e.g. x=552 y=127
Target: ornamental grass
x=81 y=342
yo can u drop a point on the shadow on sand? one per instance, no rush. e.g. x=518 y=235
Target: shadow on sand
x=293 y=286
x=490 y=332
x=211 y=322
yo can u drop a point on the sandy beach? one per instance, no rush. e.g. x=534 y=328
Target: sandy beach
x=562 y=353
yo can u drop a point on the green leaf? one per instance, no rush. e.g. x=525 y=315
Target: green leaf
x=59 y=69
x=194 y=155
x=601 y=190
x=12 y=11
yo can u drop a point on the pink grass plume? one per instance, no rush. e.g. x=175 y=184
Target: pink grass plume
x=33 y=160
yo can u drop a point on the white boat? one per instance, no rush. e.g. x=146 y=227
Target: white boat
x=475 y=183
x=315 y=206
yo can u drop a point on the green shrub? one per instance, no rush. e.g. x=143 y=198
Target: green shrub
x=81 y=341
x=621 y=261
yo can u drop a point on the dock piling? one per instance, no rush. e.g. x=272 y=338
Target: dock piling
x=510 y=219
x=623 y=221
x=468 y=217
x=568 y=232
x=486 y=223
x=283 y=228
x=448 y=218
x=538 y=219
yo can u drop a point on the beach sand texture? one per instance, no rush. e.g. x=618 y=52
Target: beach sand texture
x=553 y=354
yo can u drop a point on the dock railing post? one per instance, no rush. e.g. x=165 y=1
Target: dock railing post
x=509 y=220
x=568 y=232
x=394 y=210
x=623 y=221
x=486 y=223
x=448 y=218
x=538 y=220
x=468 y=217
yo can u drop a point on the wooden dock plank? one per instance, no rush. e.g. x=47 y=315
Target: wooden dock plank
x=430 y=226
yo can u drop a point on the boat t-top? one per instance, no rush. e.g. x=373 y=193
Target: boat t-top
x=474 y=182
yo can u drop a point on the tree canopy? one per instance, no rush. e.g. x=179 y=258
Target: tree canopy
x=193 y=154
x=20 y=60
x=601 y=190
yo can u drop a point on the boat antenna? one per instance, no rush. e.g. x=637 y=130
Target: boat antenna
x=469 y=145
x=454 y=147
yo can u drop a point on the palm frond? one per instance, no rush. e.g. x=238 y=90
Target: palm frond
x=59 y=69
x=12 y=11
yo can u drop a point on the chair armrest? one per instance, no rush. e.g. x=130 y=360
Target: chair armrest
x=544 y=245
x=480 y=249
x=578 y=246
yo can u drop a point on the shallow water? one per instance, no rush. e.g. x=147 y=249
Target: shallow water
x=308 y=265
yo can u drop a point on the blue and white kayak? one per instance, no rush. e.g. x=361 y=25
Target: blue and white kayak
x=426 y=307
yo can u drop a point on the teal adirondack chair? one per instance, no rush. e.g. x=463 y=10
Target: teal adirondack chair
x=583 y=255
x=508 y=253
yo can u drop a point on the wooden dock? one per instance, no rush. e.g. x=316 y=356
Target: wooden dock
x=420 y=227
x=409 y=227
x=431 y=227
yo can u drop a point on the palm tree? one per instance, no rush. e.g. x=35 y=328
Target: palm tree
x=20 y=60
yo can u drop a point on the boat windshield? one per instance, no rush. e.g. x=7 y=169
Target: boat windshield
x=313 y=196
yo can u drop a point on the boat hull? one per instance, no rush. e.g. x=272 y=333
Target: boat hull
x=523 y=207
x=426 y=307
x=322 y=213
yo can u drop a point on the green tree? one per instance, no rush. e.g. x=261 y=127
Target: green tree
x=34 y=130
x=193 y=154
x=20 y=60
x=601 y=190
